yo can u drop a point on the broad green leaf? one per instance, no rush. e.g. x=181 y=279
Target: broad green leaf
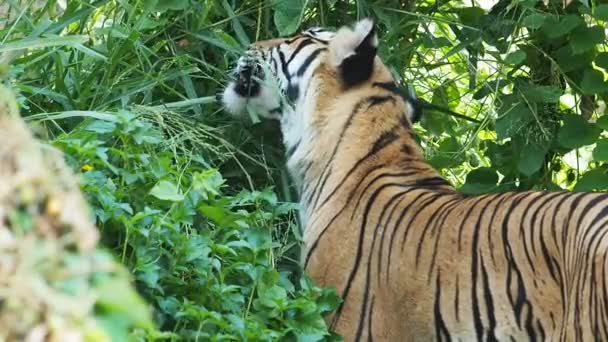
x=470 y=15
x=531 y=158
x=166 y=191
x=602 y=122
x=576 y=132
x=164 y=5
x=514 y=114
x=480 y=180
x=593 y=180
x=586 y=38
x=601 y=60
x=448 y=154
x=601 y=12
x=600 y=152
x=568 y=61
x=117 y=297
x=99 y=126
x=539 y=93
x=288 y=15
x=516 y=57
x=593 y=82
x=534 y=21
x=445 y=94
x=555 y=28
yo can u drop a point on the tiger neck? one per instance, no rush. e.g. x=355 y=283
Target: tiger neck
x=329 y=163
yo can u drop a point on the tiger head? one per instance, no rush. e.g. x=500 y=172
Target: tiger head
x=310 y=81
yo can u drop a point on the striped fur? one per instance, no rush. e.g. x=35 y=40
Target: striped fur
x=413 y=259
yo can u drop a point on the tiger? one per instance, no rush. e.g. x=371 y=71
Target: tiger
x=412 y=258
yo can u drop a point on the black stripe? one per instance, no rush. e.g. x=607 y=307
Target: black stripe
x=324 y=174
x=370 y=335
x=441 y=329
x=300 y=46
x=397 y=224
x=350 y=197
x=379 y=224
x=359 y=251
x=378 y=100
x=385 y=139
x=489 y=302
x=284 y=66
x=293 y=149
x=390 y=86
x=308 y=61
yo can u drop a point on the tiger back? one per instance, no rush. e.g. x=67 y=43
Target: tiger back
x=413 y=259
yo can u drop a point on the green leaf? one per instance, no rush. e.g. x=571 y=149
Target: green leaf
x=531 y=159
x=480 y=180
x=586 y=38
x=600 y=152
x=516 y=57
x=101 y=127
x=567 y=61
x=593 y=180
x=328 y=300
x=117 y=297
x=576 y=132
x=555 y=29
x=470 y=15
x=534 y=21
x=601 y=12
x=448 y=154
x=538 y=93
x=166 y=191
x=514 y=114
x=288 y=15
x=601 y=60
x=602 y=122
x=177 y=5
x=593 y=82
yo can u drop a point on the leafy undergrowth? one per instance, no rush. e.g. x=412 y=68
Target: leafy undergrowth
x=208 y=261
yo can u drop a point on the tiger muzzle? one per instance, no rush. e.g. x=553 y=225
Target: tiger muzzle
x=249 y=74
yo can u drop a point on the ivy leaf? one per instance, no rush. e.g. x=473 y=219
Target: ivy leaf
x=166 y=191
x=480 y=180
x=585 y=38
x=534 y=21
x=576 y=132
x=516 y=57
x=531 y=159
x=602 y=60
x=601 y=12
x=593 y=180
x=593 y=82
x=600 y=152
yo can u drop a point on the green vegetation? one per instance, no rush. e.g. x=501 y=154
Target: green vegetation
x=199 y=207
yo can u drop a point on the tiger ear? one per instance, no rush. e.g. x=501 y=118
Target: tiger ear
x=352 y=52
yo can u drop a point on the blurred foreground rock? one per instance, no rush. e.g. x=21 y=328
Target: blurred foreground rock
x=55 y=284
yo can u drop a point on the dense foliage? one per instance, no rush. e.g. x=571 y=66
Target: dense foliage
x=199 y=206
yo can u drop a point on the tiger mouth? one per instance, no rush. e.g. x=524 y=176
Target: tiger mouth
x=249 y=74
